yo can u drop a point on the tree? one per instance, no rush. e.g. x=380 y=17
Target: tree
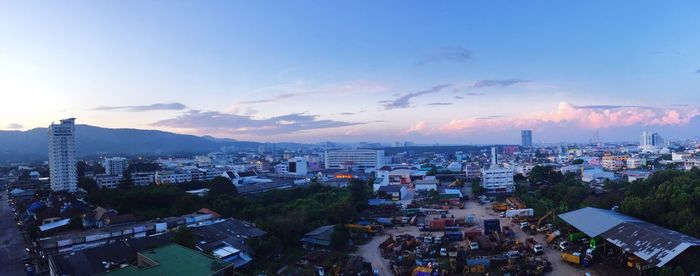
x=125 y=183
x=359 y=193
x=577 y=162
x=476 y=188
x=75 y=223
x=183 y=236
x=340 y=237
x=221 y=185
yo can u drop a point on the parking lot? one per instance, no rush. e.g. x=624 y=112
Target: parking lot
x=12 y=246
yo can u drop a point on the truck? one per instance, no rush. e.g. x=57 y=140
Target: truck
x=484 y=243
x=520 y=213
x=473 y=244
x=533 y=245
x=437 y=225
x=573 y=257
x=472 y=233
x=384 y=221
x=500 y=207
x=471 y=220
x=491 y=225
x=509 y=233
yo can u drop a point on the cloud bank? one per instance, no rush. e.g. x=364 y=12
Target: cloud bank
x=586 y=117
x=205 y=122
x=143 y=108
x=14 y=126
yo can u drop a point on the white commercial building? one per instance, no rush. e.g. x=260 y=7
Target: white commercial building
x=115 y=165
x=62 y=166
x=497 y=180
x=338 y=159
x=297 y=166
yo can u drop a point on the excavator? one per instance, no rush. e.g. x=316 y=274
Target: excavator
x=538 y=226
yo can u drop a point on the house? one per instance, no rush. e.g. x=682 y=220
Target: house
x=227 y=240
x=318 y=237
x=174 y=259
x=393 y=192
x=426 y=184
x=238 y=178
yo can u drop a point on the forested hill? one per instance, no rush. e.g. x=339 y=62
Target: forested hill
x=90 y=140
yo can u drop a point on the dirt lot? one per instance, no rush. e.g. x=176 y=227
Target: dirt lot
x=370 y=251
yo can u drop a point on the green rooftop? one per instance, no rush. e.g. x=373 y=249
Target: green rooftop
x=174 y=259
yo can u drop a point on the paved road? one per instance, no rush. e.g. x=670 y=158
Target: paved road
x=11 y=242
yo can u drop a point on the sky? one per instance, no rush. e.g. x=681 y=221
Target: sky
x=451 y=72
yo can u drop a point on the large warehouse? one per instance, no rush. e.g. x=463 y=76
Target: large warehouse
x=652 y=243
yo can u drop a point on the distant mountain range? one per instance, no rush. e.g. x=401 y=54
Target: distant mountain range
x=91 y=140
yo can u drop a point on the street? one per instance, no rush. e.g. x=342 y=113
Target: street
x=11 y=243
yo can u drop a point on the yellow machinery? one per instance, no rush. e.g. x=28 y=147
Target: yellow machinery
x=372 y=229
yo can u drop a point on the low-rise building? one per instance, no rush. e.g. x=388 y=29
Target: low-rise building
x=172 y=177
x=142 y=179
x=392 y=192
x=106 y=181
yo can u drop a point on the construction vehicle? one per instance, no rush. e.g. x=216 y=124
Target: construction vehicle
x=573 y=257
x=371 y=229
x=538 y=226
x=533 y=245
x=516 y=202
x=552 y=236
x=500 y=207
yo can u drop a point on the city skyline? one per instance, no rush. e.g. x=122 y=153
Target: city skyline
x=449 y=73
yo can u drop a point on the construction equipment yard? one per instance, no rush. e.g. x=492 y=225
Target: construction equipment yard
x=473 y=237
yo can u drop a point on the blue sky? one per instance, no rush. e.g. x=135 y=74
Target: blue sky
x=449 y=72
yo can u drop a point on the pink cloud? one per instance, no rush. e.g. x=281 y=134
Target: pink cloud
x=588 y=117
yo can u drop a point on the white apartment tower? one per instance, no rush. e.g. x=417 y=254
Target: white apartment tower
x=650 y=141
x=62 y=166
x=115 y=165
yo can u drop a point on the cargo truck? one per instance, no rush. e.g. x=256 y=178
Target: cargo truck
x=573 y=257
x=533 y=245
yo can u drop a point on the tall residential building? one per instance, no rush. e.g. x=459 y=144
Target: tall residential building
x=650 y=141
x=526 y=138
x=360 y=158
x=62 y=166
x=115 y=165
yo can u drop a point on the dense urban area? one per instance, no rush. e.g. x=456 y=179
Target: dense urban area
x=356 y=209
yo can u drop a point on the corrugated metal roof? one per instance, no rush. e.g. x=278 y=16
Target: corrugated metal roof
x=594 y=221
x=654 y=244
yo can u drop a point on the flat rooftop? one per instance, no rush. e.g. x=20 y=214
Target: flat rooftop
x=174 y=259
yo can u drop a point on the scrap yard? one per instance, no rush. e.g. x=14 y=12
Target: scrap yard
x=479 y=236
